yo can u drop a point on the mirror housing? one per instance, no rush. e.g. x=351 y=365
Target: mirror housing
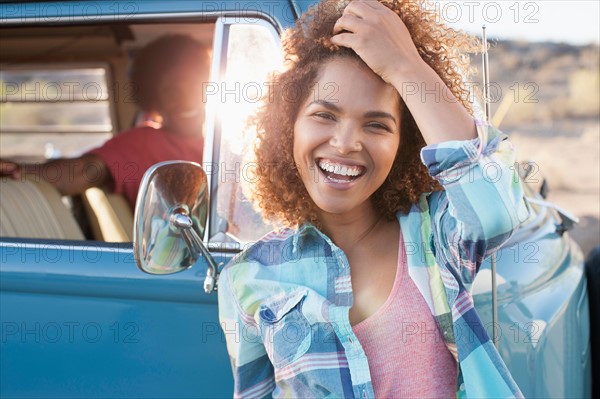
x=531 y=174
x=170 y=220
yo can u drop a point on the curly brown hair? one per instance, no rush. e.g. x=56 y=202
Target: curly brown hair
x=278 y=190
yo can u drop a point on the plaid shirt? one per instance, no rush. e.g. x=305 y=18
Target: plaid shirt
x=284 y=302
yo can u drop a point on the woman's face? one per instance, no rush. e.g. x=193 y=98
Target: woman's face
x=346 y=136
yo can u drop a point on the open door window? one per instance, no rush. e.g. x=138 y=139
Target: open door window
x=244 y=55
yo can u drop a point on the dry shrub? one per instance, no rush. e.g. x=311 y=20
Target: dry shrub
x=584 y=93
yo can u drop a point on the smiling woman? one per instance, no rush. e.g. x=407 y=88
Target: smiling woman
x=286 y=199
x=362 y=173
x=345 y=148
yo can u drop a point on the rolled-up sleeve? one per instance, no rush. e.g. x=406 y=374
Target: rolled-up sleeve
x=482 y=203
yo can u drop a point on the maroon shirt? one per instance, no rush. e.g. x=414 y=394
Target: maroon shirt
x=132 y=152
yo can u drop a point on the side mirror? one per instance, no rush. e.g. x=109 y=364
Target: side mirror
x=170 y=220
x=531 y=174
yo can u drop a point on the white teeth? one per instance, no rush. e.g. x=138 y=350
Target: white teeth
x=339 y=169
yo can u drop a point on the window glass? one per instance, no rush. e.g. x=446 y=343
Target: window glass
x=253 y=53
x=53 y=112
x=34 y=147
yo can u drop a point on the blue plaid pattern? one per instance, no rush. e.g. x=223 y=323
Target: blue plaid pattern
x=284 y=301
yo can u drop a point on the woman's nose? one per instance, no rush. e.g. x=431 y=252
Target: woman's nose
x=346 y=139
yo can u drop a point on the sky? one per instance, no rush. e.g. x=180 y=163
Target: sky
x=572 y=21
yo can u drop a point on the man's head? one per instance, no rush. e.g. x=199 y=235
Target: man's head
x=168 y=75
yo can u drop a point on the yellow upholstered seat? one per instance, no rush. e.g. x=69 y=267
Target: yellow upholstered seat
x=34 y=209
x=110 y=215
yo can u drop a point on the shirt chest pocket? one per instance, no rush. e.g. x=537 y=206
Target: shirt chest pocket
x=285 y=331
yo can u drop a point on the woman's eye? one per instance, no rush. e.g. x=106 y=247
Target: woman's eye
x=324 y=115
x=379 y=126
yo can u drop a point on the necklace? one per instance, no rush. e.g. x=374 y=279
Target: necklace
x=367 y=232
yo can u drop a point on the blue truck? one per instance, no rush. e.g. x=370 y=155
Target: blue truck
x=79 y=319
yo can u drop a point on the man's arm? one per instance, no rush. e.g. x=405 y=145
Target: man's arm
x=69 y=176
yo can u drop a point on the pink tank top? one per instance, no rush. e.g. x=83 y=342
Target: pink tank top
x=406 y=352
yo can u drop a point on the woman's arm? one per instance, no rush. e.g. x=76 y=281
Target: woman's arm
x=383 y=41
x=482 y=204
x=483 y=200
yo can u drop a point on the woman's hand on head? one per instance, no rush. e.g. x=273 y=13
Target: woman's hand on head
x=380 y=37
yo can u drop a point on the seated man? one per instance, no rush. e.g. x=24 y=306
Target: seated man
x=168 y=76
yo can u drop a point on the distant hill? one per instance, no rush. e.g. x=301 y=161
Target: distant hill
x=544 y=81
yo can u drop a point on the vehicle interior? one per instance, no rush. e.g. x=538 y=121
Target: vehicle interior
x=65 y=91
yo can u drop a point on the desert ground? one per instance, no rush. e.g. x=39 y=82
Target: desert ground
x=552 y=115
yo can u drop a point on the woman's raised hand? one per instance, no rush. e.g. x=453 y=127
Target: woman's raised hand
x=380 y=38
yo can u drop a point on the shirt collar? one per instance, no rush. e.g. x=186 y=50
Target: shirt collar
x=306 y=231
